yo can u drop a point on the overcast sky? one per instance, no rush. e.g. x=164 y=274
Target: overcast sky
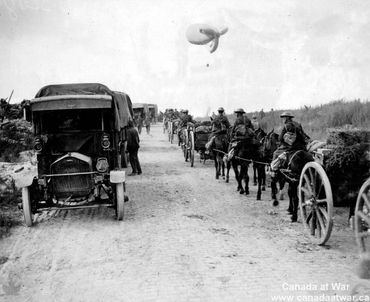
x=276 y=54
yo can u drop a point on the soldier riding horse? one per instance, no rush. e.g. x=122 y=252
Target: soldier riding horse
x=218 y=141
x=289 y=160
x=244 y=148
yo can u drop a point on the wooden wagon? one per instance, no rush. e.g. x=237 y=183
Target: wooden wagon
x=316 y=194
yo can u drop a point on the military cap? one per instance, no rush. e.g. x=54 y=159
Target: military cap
x=286 y=114
x=239 y=110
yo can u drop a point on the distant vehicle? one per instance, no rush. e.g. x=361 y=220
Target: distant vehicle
x=153 y=110
x=80 y=134
x=145 y=110
x=140 y=110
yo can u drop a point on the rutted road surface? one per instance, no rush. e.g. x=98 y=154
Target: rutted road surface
x=186 y=237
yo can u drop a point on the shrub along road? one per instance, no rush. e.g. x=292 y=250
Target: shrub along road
x=185 y=237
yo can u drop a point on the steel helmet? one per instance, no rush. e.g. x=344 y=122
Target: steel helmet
x=239 y=110
x=286 y=114
x=220 y=109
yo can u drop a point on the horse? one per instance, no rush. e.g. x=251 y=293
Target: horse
x=260 y=135
x=269 y=144
x=247 y=151
x=296 y=161
x=220 y=146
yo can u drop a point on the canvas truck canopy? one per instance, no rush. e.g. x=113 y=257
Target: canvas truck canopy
x=63 y=102
x=123 y=107
x=84 y=96
x=140 y=107
x=153 y=106
x=74 y=89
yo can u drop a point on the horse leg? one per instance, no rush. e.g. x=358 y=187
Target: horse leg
x=246 y=178
x=274 y=180
x=221 y=162
x=219 y=166
x=254 y=174
x=290 y=209
x=228 y=166
x=261 y=171
x=239 y=178
x=294 y=199
x=351 y=214
x=216 y=168
x=281 y=187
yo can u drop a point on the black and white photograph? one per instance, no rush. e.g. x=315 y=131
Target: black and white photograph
x=188 y=151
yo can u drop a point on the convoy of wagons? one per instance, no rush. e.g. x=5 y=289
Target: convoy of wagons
x=80 y=141
x=314 y=190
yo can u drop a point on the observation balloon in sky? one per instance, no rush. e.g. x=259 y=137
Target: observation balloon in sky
x=201 y=34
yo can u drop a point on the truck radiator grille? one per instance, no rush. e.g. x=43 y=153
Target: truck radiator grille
x=75 y=185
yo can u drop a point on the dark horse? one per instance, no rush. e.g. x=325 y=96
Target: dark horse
x=220 y=146
x=291 y=174
x=260 y=135
x=269 y=143
x=246 y=152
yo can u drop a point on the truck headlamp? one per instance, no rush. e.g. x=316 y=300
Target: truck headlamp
x=102 y=165
x=105 y=143
x=38 y=144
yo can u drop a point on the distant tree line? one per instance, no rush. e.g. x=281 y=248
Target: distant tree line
x=316 y=119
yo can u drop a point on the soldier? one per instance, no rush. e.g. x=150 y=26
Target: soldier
x=185 y=118
x=139 y=123
x=133 y=145
x=241 y=131
x=255 y=123
x=220 y=123
x=240 y=120
x=220 y=126
x=147 y=123
x=176 y=114
x=291 y=138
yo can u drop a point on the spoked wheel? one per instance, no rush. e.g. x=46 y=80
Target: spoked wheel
x=191 y=148
x=185 y=146
x=316 y=202
x=26 y=203
x=120 y=200
x=362 y=218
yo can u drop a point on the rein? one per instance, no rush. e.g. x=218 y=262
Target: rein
x=244 y=159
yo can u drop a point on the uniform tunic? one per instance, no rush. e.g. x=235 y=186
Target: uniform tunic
x=220 y=124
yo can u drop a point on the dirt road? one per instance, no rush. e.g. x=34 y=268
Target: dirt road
x=186 y=237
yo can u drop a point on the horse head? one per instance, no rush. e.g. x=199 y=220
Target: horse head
x=270 y=143
x=260 y=134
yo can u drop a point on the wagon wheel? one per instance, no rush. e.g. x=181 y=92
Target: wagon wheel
x=191 y=148
x=120 y=200
x=184 y=146
x=362 y=218
x=316 y=202
x=26 y=203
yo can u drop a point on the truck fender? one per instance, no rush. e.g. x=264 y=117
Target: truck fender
x=24 y=181
x=117 y=176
